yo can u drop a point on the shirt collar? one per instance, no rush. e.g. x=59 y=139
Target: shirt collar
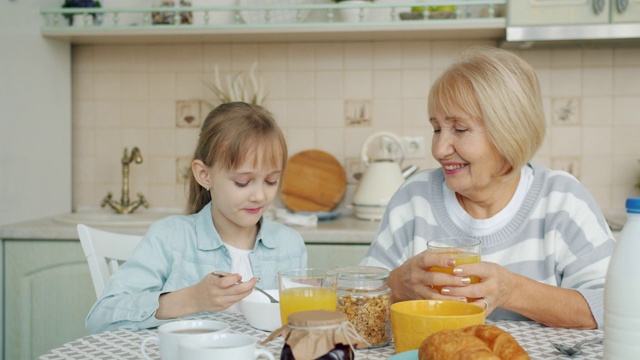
x=208 y=237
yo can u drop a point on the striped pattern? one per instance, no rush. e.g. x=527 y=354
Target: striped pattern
x=558 y=236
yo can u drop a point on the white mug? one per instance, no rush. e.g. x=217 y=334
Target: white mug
x=221 y=345
x=170 y=334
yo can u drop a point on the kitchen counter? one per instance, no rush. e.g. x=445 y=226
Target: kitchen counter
x=343 y=230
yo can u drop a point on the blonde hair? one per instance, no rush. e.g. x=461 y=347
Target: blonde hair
x=501 y=90
x=231 y=134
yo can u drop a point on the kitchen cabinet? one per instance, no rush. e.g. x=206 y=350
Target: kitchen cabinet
x=567 y=12
x=565 y=22
x=323 y=24
x=47 y=294
x=327 y=255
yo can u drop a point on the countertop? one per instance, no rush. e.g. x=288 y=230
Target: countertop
x=345 y=229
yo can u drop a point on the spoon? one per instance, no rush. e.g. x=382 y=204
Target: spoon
x=575 y=349
x=271 y=298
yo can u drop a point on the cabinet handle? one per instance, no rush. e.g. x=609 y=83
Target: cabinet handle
x=622 y=5
x=598 y=6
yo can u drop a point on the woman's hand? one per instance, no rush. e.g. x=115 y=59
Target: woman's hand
x=495 y=288
x=212 y=293
x=413 y=280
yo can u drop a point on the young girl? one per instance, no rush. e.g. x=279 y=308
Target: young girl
x=239 y=160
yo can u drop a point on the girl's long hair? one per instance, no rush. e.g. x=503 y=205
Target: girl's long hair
x=231 y=134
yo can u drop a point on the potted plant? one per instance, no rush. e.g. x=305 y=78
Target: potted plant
x=354 y=14
x=96 y=18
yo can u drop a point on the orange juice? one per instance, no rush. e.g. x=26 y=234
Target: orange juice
x=306 y=298
x=461 y=258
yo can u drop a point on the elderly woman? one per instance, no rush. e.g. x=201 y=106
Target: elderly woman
x=545 y=243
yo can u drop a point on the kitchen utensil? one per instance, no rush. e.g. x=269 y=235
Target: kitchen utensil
x=382 y=177
x=575 y=349
x=314 y=180
x=271 y=298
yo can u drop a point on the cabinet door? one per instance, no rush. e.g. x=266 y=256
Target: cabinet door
x=335 y=255
x=625 y=11
x=48 y=293
x=557 y=12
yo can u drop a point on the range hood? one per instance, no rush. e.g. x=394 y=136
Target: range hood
x=618 y=34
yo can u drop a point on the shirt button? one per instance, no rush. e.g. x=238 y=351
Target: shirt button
x=144 y=313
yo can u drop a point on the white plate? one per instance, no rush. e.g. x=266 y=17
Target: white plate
x=321 y=215
x=407 y=355
x=276 y=16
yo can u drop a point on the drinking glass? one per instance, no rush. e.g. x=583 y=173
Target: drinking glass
x=464 y=250
x=306 y=289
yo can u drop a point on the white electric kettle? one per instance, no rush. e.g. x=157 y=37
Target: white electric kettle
x=382 y=177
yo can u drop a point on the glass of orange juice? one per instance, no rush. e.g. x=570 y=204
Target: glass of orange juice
x=306 y=289
x=464 y=249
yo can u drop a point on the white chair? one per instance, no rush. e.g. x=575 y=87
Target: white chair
x=105 y=251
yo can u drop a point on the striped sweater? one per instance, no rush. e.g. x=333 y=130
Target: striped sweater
x=558 y=236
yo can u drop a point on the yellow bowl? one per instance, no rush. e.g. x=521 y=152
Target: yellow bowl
x=413 y=321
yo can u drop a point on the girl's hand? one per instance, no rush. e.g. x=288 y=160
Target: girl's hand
x=217 y=291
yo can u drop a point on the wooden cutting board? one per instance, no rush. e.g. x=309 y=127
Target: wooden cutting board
x=314 y=180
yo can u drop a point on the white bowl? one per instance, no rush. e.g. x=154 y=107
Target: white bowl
x=260 y=312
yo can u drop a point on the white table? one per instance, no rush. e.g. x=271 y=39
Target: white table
x=124 y=344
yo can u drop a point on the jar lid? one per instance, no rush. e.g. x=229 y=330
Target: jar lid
x=362 y=273
x=633 y=205
x=316 y=318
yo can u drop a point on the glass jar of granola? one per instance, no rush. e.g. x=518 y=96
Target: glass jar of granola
x=365 y=297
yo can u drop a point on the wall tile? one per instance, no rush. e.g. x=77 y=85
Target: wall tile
x=565 y=141
x=107 y=114
x=107 y=86
x=272 y=57
x=162 y=86
x=626 y=81
x=329 y=56
x=597 y=111
x=358 y=85
x=626 y=56
x=416 y=55
x=566 y=58
x=597 y=57
x=329 y=113
x=126 y=95
x=387 y=84
x=301 y=114
x=331 y=140
x=301 y=56
x=625 y=112
x=597 y=81
x=565 y=82
x=387 y=113
x=301 y=85
x=329 y=84
x=597 y=141
x=162 y=142
x=387 y=55
x=358 y=55
x=216 y=55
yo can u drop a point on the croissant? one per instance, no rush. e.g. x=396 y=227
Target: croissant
x=478 y=342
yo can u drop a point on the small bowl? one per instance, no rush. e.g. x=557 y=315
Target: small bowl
x=260 y=312
x=413 y=321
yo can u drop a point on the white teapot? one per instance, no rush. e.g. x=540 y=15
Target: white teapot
x=381 y=179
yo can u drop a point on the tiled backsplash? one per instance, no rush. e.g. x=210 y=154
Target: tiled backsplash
x=332 y=96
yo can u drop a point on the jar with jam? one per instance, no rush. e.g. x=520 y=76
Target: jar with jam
x=317 y=334
x=365 y=297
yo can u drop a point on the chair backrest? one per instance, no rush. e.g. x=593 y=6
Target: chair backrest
x=105 y=251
